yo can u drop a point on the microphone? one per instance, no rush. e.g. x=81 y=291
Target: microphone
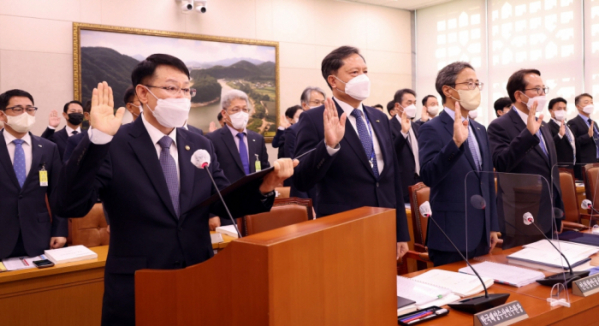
x=587 y=204
x=528 y=219
x=470 y=305
x=201 y=160
x=477 y=201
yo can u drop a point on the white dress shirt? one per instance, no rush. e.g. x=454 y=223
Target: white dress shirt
x=70 y=130
x=236 y=139
x=26 y=148
x=100 y=138
x=413 y=144
x=380 y=162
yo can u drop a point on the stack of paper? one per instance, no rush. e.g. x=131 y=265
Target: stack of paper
x=70 y=254
x=17 y=263
x=228 y=230
x=541 y=255
x=461 y=284
x=216 y=238
x=505 y=274
x=424 y=295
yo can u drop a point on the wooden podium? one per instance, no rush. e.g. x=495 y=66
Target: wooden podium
x=338 y=270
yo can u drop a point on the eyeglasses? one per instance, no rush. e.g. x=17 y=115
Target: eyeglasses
x=540 y=90
x=174 y=90
x=236 y=109
x=471 y=85
x=19 y=109
x=316 y=102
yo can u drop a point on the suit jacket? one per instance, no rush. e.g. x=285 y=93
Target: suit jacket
x=405 y=157
x=586 y=149
x=57 y=137
x=196 y=130
x=278 y=141
x=72 y=143
x=24 y=210
x=445 y=168
x=290 y=140
x=145 y=230
x=345 y=180
x=563 y=147
x=516 y=151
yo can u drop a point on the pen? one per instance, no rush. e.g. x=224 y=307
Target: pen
x=418 y=318
x=24 y=262
x=506 y=283
x=421 y=319
x=414 y=315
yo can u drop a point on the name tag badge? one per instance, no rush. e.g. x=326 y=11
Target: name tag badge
x=258 y=165
x=43 y=177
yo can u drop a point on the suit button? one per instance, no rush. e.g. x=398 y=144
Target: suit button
x=377 y=184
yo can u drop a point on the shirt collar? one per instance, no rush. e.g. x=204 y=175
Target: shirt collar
x=348 y=108
x=235 y=132
x=585 y=119
x=70 y=130
x=559 y=123
x=452 y=114
x=522 y=115
x=399 y=119
x=156 y=134
x=9 y=138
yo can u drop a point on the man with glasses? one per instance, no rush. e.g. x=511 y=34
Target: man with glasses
x=452 y=146
x=74 y=115
x=585 y=131
x=148 y=184
x=240 y=151
x=522 y=143
x=31 y=171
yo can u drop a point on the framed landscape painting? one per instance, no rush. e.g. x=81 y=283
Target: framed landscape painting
x=216 y=65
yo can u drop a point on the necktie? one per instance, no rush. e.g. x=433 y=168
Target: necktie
x=169 y=168
x=74 y=132
x=366 y=140
x=473 y=149
x=595 y=137
x=542 y=144
x=243 y=154
x=19 y=161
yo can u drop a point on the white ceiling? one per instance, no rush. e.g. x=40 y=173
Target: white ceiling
x=403 y=4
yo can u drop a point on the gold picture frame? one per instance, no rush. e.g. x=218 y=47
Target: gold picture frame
x=269 y=123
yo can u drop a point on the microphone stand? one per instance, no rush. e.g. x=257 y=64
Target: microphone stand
x=223 y=201
x=475 y=304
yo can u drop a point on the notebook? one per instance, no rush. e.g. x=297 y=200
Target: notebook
x=228 y=230
x=17 y=263
x=419 y=292
x=505 y=274
x=70 y=254
x=461 y=284
x=541 y=255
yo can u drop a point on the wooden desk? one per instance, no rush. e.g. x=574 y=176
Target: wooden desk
x=67 y=294
x=533 y=298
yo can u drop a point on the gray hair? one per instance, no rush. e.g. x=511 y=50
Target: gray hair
x=448 y=75
x=308 y=91
x=234 y=94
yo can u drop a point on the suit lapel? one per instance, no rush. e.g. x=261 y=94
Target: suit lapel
x=187 y=171
x=144 y=149
x=230 y=143
x=62 y=134
x=37 y=154
x=546 y=138
x=479 y=136
x=379 y=133
x=353 y=140
x=5 y=161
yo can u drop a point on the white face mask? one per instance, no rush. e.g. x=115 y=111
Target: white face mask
x=239 y=120
x=20 y=123
x=433 y=110
x=171 y=112
x=410 y=111
x=473 y=114
x=588 y=109
x=469 y=98
x=560 y=115
x=541 y=100
x=358 y=87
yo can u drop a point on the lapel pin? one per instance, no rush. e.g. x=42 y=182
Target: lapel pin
x=187 y=147
x=378 y=121
x=253 y=139
x=39 y=145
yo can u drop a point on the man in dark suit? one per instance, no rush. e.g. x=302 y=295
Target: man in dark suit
x=354 y=163
x=521 y=143
x=287 y=120
x=502 y=106
x=73 y=114
x=149 y=187
x=430 y=109
x=240 y=151
x=452 y=146
x=562 y=135
x=585 y=132
x=405 y=134
x=26 y=228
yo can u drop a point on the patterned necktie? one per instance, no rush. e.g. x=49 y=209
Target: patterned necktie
x=74 y=132
x=243 y=154
x=169 y=168
x=366 y=140
x=19 y=161
x=595 y=136
x=473 y=149
x=542 y=144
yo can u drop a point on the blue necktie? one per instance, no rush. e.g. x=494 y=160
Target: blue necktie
x=542 y=144
x=19 y=161
x=366 y=140
x=474 y=149
x=243 y=154
x=169 y=168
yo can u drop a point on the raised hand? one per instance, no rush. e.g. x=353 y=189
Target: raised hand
x=212 y=126
x=533 y=124
x=334 y=127
x=424 y=116
x=460 y=128
x=102 y=114
x=562 y=129
x=283 y=122
x=405 y=123
x=54 y=119
x=591 y=129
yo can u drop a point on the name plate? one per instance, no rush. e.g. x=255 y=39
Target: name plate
x=506 y=314
x=586 y=286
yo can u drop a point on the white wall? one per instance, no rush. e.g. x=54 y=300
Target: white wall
x=36 y=49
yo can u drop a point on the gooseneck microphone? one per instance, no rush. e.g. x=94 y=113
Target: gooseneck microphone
x=201 y=160
x=587 y=204
x=470 y=305
x=528 y=219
